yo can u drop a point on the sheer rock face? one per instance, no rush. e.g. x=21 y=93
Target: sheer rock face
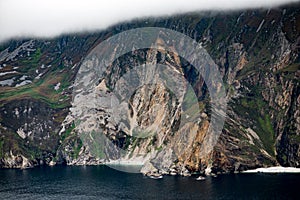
x=260 y=69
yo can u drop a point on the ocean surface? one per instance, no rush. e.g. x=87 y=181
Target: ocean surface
x=102 y=182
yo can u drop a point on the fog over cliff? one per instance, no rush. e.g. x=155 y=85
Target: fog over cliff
x=48 y=18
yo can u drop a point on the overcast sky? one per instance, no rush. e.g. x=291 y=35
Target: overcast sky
x=47 y=18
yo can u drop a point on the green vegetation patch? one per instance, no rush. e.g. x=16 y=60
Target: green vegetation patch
x=68 y=132
x=1 y=148
x=30 y=65
x=291 y=68
x=295 y=138
x=256 y=110
x=267 y=134
x=42 y=89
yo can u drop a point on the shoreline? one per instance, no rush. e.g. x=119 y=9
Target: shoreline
x=276 y=169
x=137 y=163
x=124 y=162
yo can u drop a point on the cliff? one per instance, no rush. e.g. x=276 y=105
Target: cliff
x=256 y=52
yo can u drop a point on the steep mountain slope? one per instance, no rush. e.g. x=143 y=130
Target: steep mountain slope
x=257 y=52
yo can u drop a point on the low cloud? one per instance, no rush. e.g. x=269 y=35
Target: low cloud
x=48 y=18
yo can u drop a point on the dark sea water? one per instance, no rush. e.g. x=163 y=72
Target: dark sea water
x=101 y=182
